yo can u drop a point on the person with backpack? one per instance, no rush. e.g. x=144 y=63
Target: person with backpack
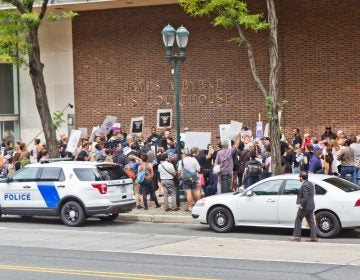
x=131 y=169
x=145 y=179
x=253 y=170
x=167 y=173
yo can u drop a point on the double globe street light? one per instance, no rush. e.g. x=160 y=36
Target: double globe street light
x=182 y=35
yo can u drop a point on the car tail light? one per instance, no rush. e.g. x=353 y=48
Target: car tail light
x=102 y=188
x=357 y=203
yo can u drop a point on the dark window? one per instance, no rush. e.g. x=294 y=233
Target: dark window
x=29 y=174
x=52 y=174
x=6 y=89
x=268 y=188
x=319 y=190
x=111 y=172
x=101 y=173
x=87 y=174
x=292 y=187
x=342 y=184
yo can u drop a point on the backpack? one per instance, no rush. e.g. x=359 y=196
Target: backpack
x=141 y=175
x=130 y=174
x=254 y=168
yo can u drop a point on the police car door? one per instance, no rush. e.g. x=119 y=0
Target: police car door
x=21 y=191
x=51 y=187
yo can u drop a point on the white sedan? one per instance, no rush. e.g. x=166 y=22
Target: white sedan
x=272 y=203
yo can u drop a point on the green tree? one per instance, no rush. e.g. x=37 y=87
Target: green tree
x=234 y=14
x=19 y=44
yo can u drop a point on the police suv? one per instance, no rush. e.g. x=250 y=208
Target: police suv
x=72 y=190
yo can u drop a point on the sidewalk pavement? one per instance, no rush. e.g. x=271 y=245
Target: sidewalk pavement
x=158 y=215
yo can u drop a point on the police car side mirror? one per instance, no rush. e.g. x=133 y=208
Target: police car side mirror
x=249 y=193
x=5 y=180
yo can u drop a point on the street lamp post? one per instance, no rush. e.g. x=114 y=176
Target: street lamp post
x=182 y=35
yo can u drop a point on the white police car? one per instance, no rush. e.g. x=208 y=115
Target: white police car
x=72 y=190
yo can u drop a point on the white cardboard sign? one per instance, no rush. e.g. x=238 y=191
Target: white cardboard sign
x=107 y=124
x=197 y=139
x=74 y=139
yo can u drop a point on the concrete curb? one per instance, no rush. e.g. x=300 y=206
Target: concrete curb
x=157 y=218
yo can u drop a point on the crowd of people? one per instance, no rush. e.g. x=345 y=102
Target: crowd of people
x=153 y=165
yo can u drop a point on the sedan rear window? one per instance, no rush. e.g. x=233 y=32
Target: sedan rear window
x=101 y=173
x=342 y=184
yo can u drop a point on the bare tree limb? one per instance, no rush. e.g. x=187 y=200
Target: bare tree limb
x=43 y=9
x=250 y=52
x=273 y=52
x=17 y=4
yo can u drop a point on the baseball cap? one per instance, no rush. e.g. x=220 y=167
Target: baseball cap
x=317 y=148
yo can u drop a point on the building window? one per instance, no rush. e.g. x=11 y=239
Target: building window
x=9 y=103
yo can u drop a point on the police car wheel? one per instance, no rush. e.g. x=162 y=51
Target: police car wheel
x=109 y=218
x=72 y=214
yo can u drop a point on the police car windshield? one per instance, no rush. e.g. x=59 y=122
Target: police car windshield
x=100 y=173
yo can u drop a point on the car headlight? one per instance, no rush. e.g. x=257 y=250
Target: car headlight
x=200 y=203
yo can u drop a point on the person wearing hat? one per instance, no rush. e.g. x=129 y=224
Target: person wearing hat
x=328 y=134
x=315 y=165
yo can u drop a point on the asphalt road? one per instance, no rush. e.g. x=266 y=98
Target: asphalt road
x=346 y=237
x=45 y=264
x=43 y=248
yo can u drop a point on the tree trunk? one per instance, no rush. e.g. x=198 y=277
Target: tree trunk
x=274 y=88
x=275 y=144
x=37 y=77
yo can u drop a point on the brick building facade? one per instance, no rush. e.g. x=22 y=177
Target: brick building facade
x=120 y=68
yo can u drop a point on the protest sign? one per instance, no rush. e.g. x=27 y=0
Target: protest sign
x=136 y=126
x=116 y=126
x=164 y=118
x=224 y=131
x=74 y=139
x=94 y=132
x=84 y=133
x=259 y=129
x=197 y=139
x=246 y=136
x=107 y=124
x=267 y=130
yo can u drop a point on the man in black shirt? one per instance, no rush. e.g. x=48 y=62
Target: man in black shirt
x=297 y=137
x=328 y=134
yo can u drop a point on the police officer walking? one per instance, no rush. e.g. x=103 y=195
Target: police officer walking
x=306 y=205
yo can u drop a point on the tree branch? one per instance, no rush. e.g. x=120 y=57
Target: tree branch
x=43 y=9
x=17 y=4
x=273 y=52
x=252 y=61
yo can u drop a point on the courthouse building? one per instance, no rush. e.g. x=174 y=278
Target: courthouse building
x=110 y=60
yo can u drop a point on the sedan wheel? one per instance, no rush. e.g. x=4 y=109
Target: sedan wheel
x=220 y=219
x=72 y=214
x=327 y=224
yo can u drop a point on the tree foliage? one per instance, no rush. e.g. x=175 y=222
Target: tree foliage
x=234 y=14
x=19 y=45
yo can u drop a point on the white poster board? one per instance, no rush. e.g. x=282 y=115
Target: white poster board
x=234 y=130
x=95 y=130
x=224 y=131
x=267 y=130
x=197 y=139
x=84 y=133
x=107 y=124
x=137 y=125
x=74 y=139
